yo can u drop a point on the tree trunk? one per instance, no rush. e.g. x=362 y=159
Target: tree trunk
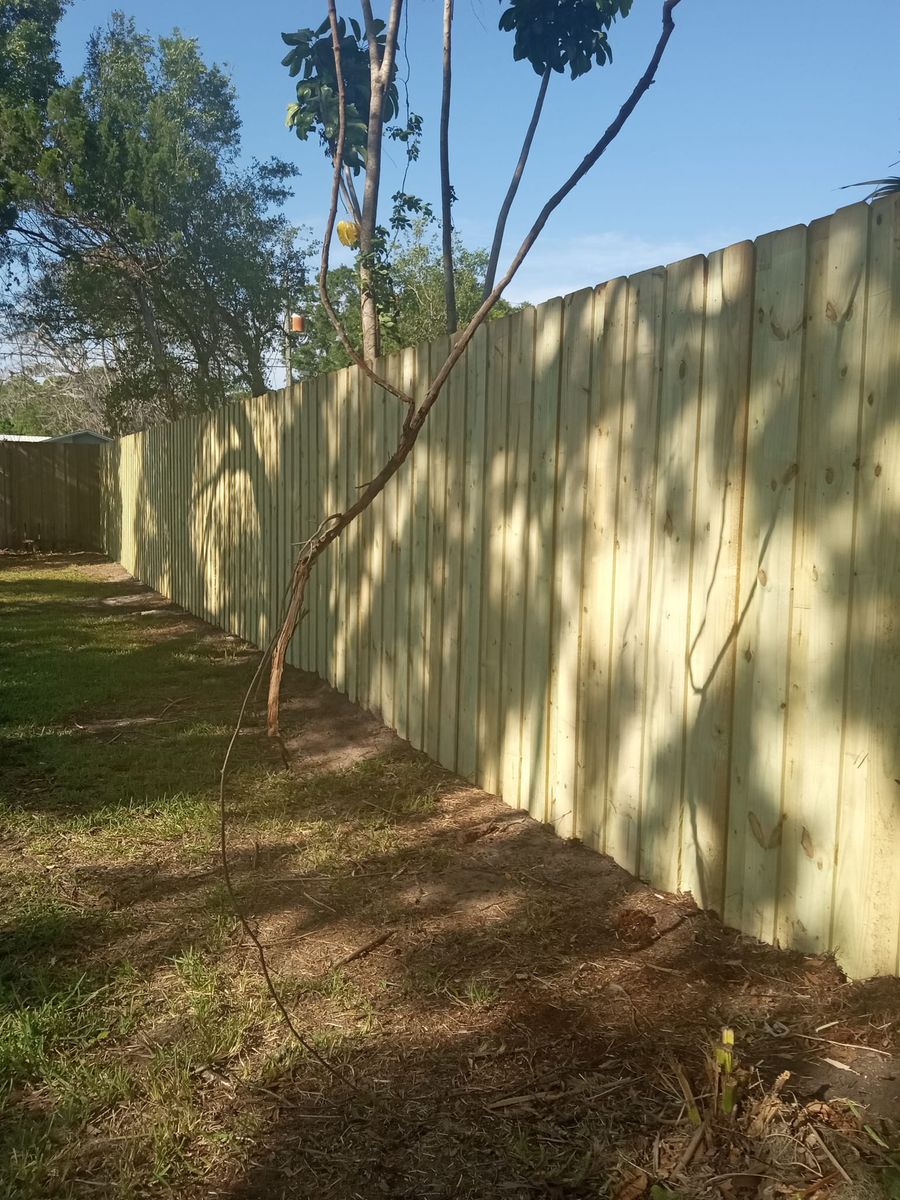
x=371 y=333
x=148 y=320
x=446 y=190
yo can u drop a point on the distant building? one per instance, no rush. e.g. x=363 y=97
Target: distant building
x=82 y=436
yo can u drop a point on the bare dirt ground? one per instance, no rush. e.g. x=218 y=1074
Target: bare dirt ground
x=504 y=1014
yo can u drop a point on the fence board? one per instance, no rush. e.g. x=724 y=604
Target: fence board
x=50 y=495
x=640 y=575
x=637 y=483
x=610 y=313
x=761 y=666
x=715 y=558
x=866 y=923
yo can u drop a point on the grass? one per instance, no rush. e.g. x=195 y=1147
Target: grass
x=121 y=996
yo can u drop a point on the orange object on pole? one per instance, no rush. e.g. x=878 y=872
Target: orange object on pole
x=298 y=323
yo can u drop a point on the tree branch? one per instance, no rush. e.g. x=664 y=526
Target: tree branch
x=612 y=132
x=416 y=417
x=446 y=191
x=500 y=228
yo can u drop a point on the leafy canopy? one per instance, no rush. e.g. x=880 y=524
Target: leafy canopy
x=412 y=300
x=131 y=228
x=29 y=69
x=311 y=57
x=561 y=34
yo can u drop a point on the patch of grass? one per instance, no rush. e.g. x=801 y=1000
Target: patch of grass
x=130 y=1030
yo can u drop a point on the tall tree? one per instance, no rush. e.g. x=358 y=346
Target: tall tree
x=418 y=409
x=135 y=231
x=571 y=34
x=412 y=304
x=367 y=53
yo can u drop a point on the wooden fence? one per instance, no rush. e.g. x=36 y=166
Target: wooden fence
x=640 y=576
x=49 y=496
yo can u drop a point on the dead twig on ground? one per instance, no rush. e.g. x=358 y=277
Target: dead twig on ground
x=363 y=950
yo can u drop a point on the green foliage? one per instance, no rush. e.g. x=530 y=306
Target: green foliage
x=29 y=69
x=311 y=56
x=411 y=300
x=136 y=233
x=32 y=403
x=563 y=33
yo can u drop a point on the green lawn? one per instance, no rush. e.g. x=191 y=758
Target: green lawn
x=123 y=987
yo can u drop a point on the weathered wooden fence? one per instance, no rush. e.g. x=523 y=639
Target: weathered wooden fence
x=49 y=496
x=640 y=576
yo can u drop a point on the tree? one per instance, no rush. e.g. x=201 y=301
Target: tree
x=132 y=230
x=367 y=91
x=416 y=411
x=29 y=69
x=413 y=307
x=49 y=399
x=572 y=34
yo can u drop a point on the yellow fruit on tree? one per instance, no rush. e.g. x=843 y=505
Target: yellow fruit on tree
x=348 y=233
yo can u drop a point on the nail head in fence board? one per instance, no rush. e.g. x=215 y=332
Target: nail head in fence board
x=496 y=516
x=670 y=591
x=640 y=413
x=828 y=456
x=714 y=572
x=605 y=416
x=866 y=936
x=472 y=580
x=516 y=573
x=573 y=439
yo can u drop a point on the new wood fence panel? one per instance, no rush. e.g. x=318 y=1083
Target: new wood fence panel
x=763 y=621
x=634 y=531
x=479 y=397
x=420 y=610
x=496 y=520
x=403 y=548
x=828 y=469
x=866 y=918
x=715 y=560
x=572 y=445
x=541 y=537
x=601 y=498
x=517 y=578
x=672 y=536
x=640 y=575
x=437 y=431
x=50 y=496
x=367 y=582
x=455 y=400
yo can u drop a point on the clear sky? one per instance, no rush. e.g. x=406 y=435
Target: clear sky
x=760 y=112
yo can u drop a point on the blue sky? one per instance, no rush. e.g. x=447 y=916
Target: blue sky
x=760 y=112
